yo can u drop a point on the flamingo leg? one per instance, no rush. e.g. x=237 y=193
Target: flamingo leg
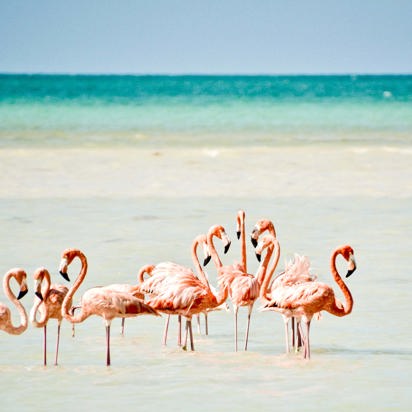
x=179 y=335
x=166 y=329
x=198 y=325
x=299 y=341
x=57 y=343
x=235 y=310
x=45 y=345
x=192 y=346
x=293 y=334
x=122 y=330
x=73 y=330
x=108 y=344
x=206 y=325
x=302 y=337
x=186 y=332
x=250 y=308
x=307 y=343
x=286 y=323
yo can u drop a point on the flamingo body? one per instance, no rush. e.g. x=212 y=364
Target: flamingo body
x=6 y=323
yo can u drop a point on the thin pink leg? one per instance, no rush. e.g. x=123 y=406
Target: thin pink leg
x=57 y=343
x=179 y=333
x=199 y=331
x=307 y=343
x=206 y=325
x=300 y=337
x=250 y=308
x=192 y=346
x=166 y=329
x=108 y=345
x=122 y=331
x=235 y=310
x=186 y=332
x=293 y=334
x=45 y=345
x=286 y=323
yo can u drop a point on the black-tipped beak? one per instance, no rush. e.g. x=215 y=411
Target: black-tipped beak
x=254 y=241
x=238 y=234
x=207 y=260
x=258 y=256
x=39 y=295
x=227 y=247
x=21 y=294
x=350 y=271
x=65 y=275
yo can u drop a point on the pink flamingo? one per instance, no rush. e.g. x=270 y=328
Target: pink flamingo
x=296 y=272
x=108 y=304
x=177 y=290
x=307 y=299
x=49 y=303
x=261 y=226
x=5 y=315
x=129 y=288
x=244 y=287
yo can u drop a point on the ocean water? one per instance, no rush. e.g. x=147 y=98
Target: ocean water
x=131 y=168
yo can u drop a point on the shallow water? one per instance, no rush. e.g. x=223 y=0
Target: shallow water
x=352 y=356
x=128 y=206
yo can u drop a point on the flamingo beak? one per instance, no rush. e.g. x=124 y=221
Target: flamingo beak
x=258 y=256
x=39 y=295
x=352 y=266
x=238 y=234
x=206 y=260
x=65 y=275
x=254 y=236
x=227 y=246
x=63 y=269
x=22 y=293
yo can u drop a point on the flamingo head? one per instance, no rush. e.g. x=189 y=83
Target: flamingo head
x=38 y=277
x=348 y=254
x=67 y=257
x=267 y=241
x=21 y=278
x=261 y=226
x=240 y=219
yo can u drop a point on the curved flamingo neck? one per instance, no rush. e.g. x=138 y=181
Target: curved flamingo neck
x=197 y=264
x=243 y=253
x=46 y=278
x=213 y=251
x=69 y=296
x=266 y=225
x=267 y=275
x=15 y=330
x=345 y=290
x=33 y=314
x=144 y=269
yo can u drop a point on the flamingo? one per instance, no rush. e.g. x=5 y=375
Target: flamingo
x=49 y=303
x=286 y=278
x=106 y=303
x=261 y=226
x=177 y=290
x=244 y=287
x=128 y=288
x=5 y=315
x=307 y=299
x=149 y=270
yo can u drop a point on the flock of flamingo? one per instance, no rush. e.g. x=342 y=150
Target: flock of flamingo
x=173 y=289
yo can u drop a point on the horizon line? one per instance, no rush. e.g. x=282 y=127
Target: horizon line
x=188 y=74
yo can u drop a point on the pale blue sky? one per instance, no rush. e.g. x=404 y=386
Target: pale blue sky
x=206 y=36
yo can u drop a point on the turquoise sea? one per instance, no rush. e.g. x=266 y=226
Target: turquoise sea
x=130 y=169
x=148 y=111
